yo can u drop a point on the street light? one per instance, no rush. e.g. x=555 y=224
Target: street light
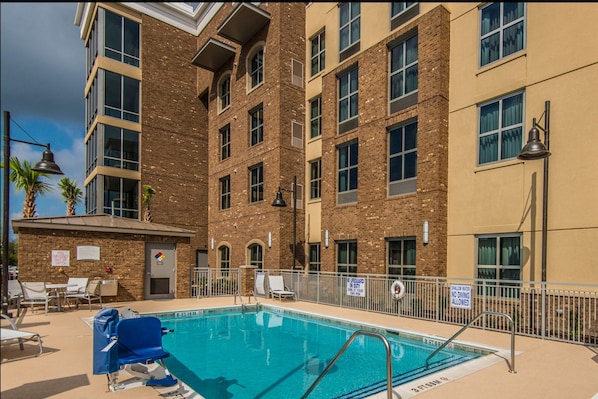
x=279 y=202
x=534 y=149
x=46 y=165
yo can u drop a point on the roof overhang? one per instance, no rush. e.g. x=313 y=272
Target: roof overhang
x=243 y=22
x=213 y=54
x=100 y=223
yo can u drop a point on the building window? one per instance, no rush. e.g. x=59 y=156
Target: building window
x=121 y=195
x=318 y=53
x=401 y=257
x=499 y=261
x=91 y=197
x=347 y=173
x=315 y=179
x=92 y=46
x=256 y=134
x=401 y=12
x=224 y=92
x=121 y=97
x=256 y=256
x=256 y=68
x=399 y=7
x=225 y=142
x=501 y=129
x=315 y=118
x=121 y=148
x=346 y=257
x=502 y=28
x=348 y=100
x=256 y=183
x=225 y=192
x=403 y=74
x=91 y=153
x=314 y=257
x=349 y=28
x=121 y=39
x=402 y=159
x=224 y=260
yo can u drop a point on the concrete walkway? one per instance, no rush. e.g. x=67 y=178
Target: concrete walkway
x=544 y=369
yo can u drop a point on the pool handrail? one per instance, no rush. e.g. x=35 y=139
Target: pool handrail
x=342 y=350
x=511 y=365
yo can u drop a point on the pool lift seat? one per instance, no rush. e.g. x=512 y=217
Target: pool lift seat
x=132 y=345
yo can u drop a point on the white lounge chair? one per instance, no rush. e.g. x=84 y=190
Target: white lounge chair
x=13 y=335
x=89 y=295
x=35 y=293
x=278 y=289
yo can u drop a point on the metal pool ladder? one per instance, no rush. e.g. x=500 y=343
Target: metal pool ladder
x=511 y=365
x=342 y=350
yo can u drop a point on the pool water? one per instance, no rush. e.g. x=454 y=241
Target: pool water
x=269 y=353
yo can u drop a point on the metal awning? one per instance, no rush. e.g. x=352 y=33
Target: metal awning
x=244 y=22
x=213 y=54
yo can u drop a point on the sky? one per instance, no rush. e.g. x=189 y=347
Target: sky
x=42 y=68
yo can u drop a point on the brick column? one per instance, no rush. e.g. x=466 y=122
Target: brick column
x=247 y=279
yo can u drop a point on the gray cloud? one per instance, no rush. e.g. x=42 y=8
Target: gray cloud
x=43 y=62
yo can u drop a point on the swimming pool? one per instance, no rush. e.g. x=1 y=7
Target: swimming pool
x=271 y=352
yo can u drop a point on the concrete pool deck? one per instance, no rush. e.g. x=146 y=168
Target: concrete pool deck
x=544 y=369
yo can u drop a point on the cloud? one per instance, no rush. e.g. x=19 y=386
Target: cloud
x=42 y=85
x=43 y=62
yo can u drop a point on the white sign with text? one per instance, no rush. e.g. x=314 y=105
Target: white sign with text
x=356 y=286
x=461 y=296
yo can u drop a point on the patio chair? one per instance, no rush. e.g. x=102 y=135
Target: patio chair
x=35 y=293
x=76 y=285
x=15 y=294
x=13 y=335
x=278 y=289
x=90 y=294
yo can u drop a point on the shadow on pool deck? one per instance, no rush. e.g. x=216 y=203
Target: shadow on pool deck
x=544 y=369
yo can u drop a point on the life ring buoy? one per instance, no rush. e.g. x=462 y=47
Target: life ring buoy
x=397 y=289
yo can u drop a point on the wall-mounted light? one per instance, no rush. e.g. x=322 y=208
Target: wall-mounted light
x=269 y=239
x=212 y=243
x=326 y=238
x=426 y=231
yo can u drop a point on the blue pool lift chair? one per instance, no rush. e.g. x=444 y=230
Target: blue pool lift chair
x=129 y=344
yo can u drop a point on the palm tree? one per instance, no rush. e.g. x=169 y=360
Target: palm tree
x=146 y=198
x=28 y=180
x=71 y=194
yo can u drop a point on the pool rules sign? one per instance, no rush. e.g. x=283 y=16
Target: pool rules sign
x=461 y=296
x=356 y=286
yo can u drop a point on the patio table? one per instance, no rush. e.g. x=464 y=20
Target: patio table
x=57 y=288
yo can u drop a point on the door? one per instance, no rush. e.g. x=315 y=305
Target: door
x=201 y=258
x=160 y=266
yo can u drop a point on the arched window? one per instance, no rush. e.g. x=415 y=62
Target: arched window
x=255 y=254
x=224 y=92
x=224 y=259
x=255 y=67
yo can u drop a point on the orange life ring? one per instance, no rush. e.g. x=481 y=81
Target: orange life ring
x=397 y=290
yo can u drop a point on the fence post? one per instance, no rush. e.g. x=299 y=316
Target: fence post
x=543 y=285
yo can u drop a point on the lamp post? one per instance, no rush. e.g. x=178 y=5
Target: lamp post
x=46 y=165
x=534 y=149
x=279 y=202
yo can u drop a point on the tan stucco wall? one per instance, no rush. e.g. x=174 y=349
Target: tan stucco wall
x=559 y=64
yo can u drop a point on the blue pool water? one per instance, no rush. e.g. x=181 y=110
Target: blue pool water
x=269 y=353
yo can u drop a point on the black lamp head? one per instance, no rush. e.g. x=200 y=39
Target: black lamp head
x=279 y=201
x=47 y=164
x=534 y=148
